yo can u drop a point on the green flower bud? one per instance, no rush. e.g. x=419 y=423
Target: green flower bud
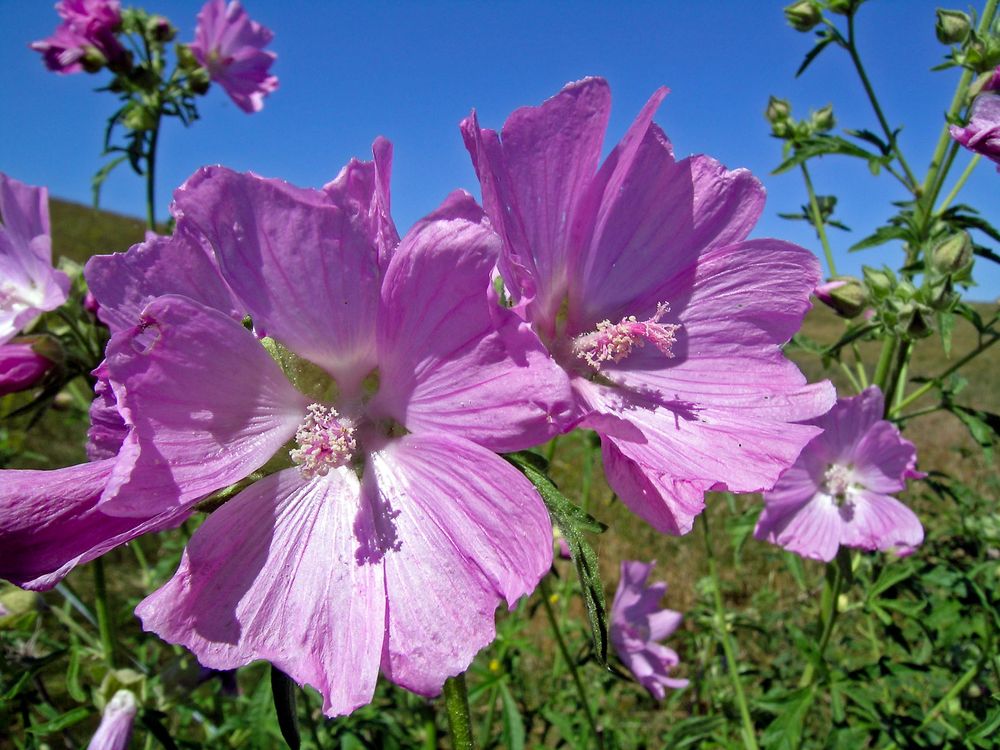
x=199 y=80
x=778 y=110
x=952 y=255
x=185 y=58
x=843 y=7
x=880 y=282
x=822 y=119
x=952 y=26
x=160 y=29
x=93 y=59
x=845 y=295
x=803 y=15
x=139 y=118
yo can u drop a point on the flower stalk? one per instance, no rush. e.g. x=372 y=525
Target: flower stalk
x=456 y=701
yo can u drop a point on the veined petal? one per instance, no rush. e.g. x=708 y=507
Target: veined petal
x=812 y=530
x=25 y=212
x=469 y=530
x=442 y=364
x=124 y=283
x=275 y=574
x=205 y=403
x=305 y=269
x=50 y=522
x=877 y=521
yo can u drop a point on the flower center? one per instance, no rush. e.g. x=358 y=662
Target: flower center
x=838 y=481
x=325 y=442
x=614 y=341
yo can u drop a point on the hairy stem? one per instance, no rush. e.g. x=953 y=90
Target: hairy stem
x=934 y=382
x=832 y=586
x=817 y=220
x=456 y=701
x=104 y=625
x=749 y=733
x=958 y=185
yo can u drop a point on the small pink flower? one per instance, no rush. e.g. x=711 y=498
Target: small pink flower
x=638 y=622
x=838 y=491
x=21 y=366
x=115 y=730
x=982 y=134
x=29 y=285
x=88 y=25
x=231 y=47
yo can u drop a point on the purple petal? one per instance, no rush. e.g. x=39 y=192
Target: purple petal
x=470 y=529
x=275 y=574
x=206 y=404
x=442 y=365
x=305 y=270
x=813 y=530
x=124 y=283
x=877 y=521
x=107 y=428
x=25 y=211
x=49 y=522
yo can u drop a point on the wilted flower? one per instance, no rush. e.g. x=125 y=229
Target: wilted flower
x=21 y=366
x=838 y=491
x=115 y=730
x=638 y=622
x=982 y=134
x=639 y=279
x=86 y=38
x=29 y=285
x=231 y=47
x=380 y=359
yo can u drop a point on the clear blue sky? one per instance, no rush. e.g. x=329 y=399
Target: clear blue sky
x=411 y=70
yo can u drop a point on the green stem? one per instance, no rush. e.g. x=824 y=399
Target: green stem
x=955 y=690
x=151 y=174
x=944 y=139
x=104 y=625
x=897 y=384
x=580 y=690
x=850 y=377
x=934 y=382
x=487 y=727
x=828 y=616
x=749 y=733
x=852 y=50
x=817 y=219
x=958 y=185
x=884 y=363
x=456 y=701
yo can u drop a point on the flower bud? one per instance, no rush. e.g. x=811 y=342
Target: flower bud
x=845 y=295
x=199 y=80
x=803 y=15
x=822 y=119
x=185 y=58
x=880 y=282
x=953 y=254
x=952 y=26
x=115 y=730
x=160 y=29
x=138 y=117
x=843 y=7
x=778 y=110
x=93 y=59
x=22 y=366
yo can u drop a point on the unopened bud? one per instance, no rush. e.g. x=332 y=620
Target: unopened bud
x=843 y=7
x=139 y=118
x=25 y=361
x=93 y=59
x=185 y=58
x=845 y=295
x=803 y=15
x=160 y=29
x=778 y=110
x=199 y=80
x=952 y=26
x=880 y=282
x=953 y=254
x=822 y=119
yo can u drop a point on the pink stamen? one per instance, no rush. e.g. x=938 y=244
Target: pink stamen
x=615 y=342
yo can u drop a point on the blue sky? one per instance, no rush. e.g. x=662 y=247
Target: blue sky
x=411 y=70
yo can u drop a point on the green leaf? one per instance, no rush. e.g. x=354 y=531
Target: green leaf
x=97 y=181
x=812 y=54
x=825 y=145
x=946 y=324
x=73 y=674
x=59 y=723
x=880 y=237
x=785 y=732
x=984 y=426
x=283 y=692
x=513 y=724
x=153 y=721
x=572 y=522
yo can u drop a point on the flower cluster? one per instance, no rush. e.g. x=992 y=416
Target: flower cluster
x=356 y=387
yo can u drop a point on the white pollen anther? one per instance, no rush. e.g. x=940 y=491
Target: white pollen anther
x=838 y=479
x=613 y=342
x=325 y=442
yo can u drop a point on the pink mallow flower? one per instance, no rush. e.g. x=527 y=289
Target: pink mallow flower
x=230 y=46
x=372 y=393
x=115 y=729
x=88 y=26
x=638 y=622
x=21 y=366
x=982 y=134
x=50 y=521
x=29 y=285
x=838 y=491
x=640 y=280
